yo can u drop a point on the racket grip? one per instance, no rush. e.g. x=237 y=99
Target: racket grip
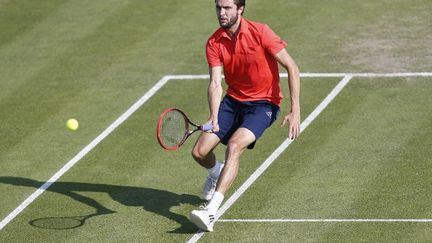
x=207 y=127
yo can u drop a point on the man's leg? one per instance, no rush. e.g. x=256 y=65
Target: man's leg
x=202 y=151
x=203 y=154
x=236 y=145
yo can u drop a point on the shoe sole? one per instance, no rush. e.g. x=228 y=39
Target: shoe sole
x=198 y=222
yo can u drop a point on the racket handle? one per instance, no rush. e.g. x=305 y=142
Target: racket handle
x=207 y=127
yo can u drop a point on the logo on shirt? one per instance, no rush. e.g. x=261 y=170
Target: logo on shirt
x=269 y=114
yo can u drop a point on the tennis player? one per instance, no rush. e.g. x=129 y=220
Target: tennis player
x=248 y=54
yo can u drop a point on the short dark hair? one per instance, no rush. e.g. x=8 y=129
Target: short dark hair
x=240 y=3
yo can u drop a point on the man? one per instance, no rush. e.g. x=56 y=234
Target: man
x=248 y=53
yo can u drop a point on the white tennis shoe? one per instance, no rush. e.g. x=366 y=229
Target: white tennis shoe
x=203 y=219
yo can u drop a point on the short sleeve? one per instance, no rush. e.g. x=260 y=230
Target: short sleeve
x=212 y=53
x=272 y=42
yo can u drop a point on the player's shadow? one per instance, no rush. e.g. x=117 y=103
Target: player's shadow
x=152 y=200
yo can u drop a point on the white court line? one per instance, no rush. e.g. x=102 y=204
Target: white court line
x=327 y=220
x=371 y=75
x=275 y=154
x=84 y=151
x=324 y=75
x=393 y=75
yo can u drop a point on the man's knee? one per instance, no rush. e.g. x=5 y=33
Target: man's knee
x=204 y=146
x=240 y=140
x=198 y=154
x=235 y=147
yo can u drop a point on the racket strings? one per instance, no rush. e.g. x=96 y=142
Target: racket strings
x=173 y=129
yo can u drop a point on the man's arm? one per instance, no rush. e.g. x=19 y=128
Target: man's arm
x=214 y=95
x=293 y=117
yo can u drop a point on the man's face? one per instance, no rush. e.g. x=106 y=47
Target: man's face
x=227 y=13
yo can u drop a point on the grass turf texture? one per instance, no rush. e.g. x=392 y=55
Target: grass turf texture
x=92 y=60
x=364 y=165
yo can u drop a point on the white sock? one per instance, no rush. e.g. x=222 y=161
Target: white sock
x=214 y=172
x=215 y=202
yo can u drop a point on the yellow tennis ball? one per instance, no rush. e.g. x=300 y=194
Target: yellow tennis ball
x=72 y=124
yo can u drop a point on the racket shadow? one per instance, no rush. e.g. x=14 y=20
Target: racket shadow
x=152 y=200
x=62 y=222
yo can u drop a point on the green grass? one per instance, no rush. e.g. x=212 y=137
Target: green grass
x=366 y=156
x=372 y=162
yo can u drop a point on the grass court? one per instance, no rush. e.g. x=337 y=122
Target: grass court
x=359 y=172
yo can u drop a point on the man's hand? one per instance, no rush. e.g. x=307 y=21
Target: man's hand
x=214 y=123
x=293 y=119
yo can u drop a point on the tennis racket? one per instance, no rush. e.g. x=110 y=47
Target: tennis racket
x=174 y=127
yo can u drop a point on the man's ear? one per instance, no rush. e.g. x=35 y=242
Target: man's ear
x=241 y=9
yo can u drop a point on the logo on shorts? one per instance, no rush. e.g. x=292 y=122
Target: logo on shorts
x=269 y=114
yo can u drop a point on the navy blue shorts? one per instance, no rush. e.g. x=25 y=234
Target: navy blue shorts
x=253 y=115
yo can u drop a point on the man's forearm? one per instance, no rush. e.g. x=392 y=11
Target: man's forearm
x=214 y=98
x=215 y=90
x=294 y=89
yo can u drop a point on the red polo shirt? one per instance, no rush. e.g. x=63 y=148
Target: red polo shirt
x=250 y=69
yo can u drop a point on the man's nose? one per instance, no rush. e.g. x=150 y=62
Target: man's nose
x=222 y=12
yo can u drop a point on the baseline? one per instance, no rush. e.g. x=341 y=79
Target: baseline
x=327 y=220
x=320 y=75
